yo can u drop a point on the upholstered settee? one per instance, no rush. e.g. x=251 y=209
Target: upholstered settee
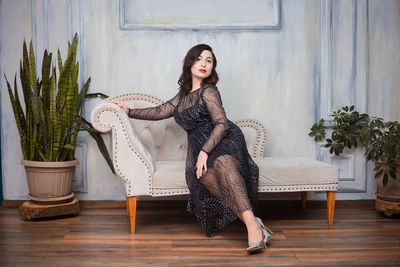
x=149 y=156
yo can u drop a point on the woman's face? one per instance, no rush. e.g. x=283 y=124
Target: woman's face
x=203 y=65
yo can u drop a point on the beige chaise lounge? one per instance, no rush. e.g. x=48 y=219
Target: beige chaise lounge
x=149 y=156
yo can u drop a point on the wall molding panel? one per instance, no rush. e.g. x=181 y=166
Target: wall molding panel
x=344 y=55
x=41 y=11
x=343 y=79
x=172 y=15
x=80 y=183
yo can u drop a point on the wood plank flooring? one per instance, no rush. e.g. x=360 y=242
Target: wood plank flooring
x=169 y=236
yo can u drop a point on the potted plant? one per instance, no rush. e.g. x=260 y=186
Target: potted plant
x=384 y=149
x=50 y=121
x=350 y=129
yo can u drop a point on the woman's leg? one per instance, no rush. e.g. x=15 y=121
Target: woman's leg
x=225 y=182
x=254 y=234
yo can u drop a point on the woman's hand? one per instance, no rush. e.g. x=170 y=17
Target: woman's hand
x=201 y=165
x=121 y=105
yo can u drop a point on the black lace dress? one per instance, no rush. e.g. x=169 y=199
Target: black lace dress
x=230 y=184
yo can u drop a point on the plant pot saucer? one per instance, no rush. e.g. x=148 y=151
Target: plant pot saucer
x=62 y=199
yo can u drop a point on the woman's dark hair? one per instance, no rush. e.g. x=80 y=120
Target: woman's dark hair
x=185 y=81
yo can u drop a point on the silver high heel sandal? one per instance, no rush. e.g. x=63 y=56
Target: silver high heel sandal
x=267 y=233
x=266 y=236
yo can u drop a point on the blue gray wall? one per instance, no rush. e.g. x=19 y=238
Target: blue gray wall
x=285 y=63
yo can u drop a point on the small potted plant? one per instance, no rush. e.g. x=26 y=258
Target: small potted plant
x=49 y=122
x=384 y=150
x=350 y=129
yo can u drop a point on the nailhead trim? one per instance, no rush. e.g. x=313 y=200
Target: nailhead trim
x=261 y=135
x=169 y=191
x=261 y=189
x=137 y=96
x=296 y=188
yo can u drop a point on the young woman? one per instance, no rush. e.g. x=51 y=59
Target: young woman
x=221 y=176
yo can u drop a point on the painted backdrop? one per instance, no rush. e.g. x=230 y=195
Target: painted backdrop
x=285 y=63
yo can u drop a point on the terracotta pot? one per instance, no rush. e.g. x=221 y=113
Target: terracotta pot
x=388 y=197
x=50 y=181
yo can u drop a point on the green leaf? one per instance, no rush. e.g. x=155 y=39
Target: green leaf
x=96 y=95
x=60 y=62
x=82 y=95
x=46 y=67
x=35 y=106
x=385 y=179
x=379 y=173
x=32 y=70
x=17 y=116
x=392 y=174
x=26 y=81
x=69 y=146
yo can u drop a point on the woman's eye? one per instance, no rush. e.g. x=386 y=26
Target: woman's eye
x=209 y=61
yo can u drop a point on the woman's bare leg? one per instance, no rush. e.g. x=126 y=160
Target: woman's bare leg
x=254 y=234
x=247 y=217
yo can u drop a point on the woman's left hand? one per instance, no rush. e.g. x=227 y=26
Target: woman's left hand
x=201 y=165
x=122 y=105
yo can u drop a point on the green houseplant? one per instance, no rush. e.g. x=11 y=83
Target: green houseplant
x=51 y=119
x=350 y=129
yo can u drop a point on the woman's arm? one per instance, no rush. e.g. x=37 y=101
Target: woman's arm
x=160 y=112
x=212 y=100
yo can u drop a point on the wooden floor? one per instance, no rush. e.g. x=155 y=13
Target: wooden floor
x=169 y=236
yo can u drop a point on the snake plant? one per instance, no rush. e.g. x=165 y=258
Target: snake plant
x=49 y=123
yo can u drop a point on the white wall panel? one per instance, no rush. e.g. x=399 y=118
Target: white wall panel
x=15 y=26
x=343 y=80
x=295 y=61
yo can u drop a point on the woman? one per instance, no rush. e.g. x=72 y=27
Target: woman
x=221 y=176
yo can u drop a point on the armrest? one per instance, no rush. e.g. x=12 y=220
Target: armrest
x=132 y=161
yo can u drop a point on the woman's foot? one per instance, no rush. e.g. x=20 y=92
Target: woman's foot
x=266 y=232
x=254 y=235
x=255 y=247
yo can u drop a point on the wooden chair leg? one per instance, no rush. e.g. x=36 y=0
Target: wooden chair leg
x=127 y=206
x=304 y=200
x=131 y=201
x=330 y=203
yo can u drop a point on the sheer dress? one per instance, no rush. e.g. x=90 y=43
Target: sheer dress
x=230 y=184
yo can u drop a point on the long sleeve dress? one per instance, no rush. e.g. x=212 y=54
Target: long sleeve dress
x=230 y=184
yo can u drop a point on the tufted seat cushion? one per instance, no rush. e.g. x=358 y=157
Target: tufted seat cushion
x=276 y=174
